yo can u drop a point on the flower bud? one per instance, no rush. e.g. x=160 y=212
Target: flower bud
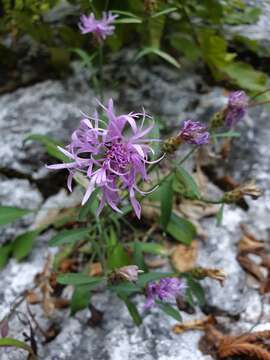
x=202 y=273
x=126 y=273
x=238 y=193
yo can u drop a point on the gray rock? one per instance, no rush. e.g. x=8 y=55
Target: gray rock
x=259 y=31
x=18 y=193
x=48 y=108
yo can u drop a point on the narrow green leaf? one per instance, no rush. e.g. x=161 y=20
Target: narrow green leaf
x=165 y=56
x=86 y=59
x=9 y=214
x=9 y=342
x=5 y=251
x=117 y=256
x=79 y=279
x=181 y=229
x=80 y=298
x=50 y=145
x=169 y=310
x=219 y=215
x=23 y=244
x=133 y=311
x=185 y=184
x=128 y=21
x=125 y=289
x=144 y=279
x=164 y=12
x=138 y=257
x=166 y=190
x=126 y=13
x=149 y=248
x=90 y=207
x=69 y=236
x=196 y=290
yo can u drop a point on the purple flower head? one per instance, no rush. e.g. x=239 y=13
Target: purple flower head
x=100 y=28
x=166 y=289
x=236 y=109
x=194 y=132
x=112 y=155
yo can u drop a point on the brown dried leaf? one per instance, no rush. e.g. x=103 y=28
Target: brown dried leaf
x=200 y=324
x=95 y=269
x=32 y=298
x=250 y=350
x=155 y=263
x=183 y=258
x=60 y=303
x=251 y=267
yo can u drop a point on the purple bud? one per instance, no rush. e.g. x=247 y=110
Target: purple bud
x=194 y=132
x=236 y=109
x=129 y=273
x=4 y=328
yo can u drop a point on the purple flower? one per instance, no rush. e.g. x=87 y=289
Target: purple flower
x=100 y=28
x=112 y=155
x=166 y=289
x=236 y=109
x=194 y=132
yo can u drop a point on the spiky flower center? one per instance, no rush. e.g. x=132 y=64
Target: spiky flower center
x=118 y=154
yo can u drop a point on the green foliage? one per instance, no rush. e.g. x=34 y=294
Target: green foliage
x=166 y=201
x=181 y=229
x=9 y=342
x=185 y=185
x=80 y=298
x=116 y=254
x=169 y=310
x=9 y=214
x=5 y=251
x=23 y=244
x=69 y=236
x=132 y=309
x=194 y=292
x=79 y=279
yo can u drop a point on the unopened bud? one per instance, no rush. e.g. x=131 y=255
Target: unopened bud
x=217 y=120
x=202 y=273
x=238 y=193
x=170 y=145
x=126 y=273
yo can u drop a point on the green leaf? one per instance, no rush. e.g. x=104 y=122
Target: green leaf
x=219 y=215
x=23 y=244
x=80 y=298
x=125 y=289
x=9 y=214
x=138 y=257
x=128 y=21
x=165 y=56
x=69 y=236
x=195 y=289
x=169 y=310
x=245 y=77
x=125 y=13
x=86 y=59
x=116 y=254
x=181 y=229
x=133 y=311
x=186 y=45
x=166 y=191
x=149 y=248
x=185 y=184
x=5 y=251
x=144 y=279
x=90 y=207
x=164 y=12
x=50 y=144
x=79 y=279
x=9 y=342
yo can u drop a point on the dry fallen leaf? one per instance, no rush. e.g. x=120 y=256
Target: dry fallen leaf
x=183 y=258
x=95 y=269
x=200 y=324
